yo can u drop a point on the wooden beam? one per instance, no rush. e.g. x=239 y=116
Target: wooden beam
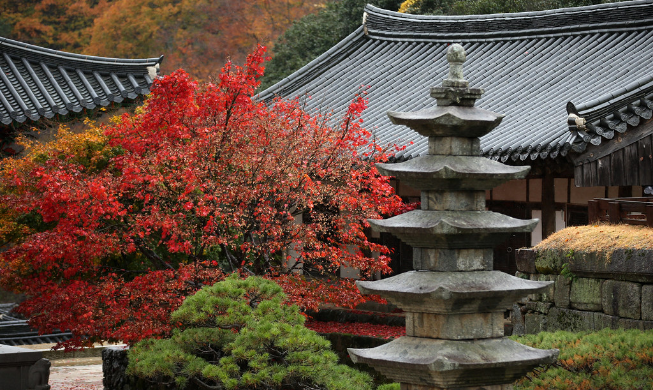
x=631 y=174
x=593 y=211
x=645 y=161
x=548 y=205
x=620 y=141
x=626 y=160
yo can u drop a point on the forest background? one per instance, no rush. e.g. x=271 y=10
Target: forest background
x=201 y=35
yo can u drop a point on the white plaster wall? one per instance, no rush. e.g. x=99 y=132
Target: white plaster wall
x=536 y=235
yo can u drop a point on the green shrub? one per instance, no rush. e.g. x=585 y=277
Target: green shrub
x=608 y=359
x=238 y=334
x=391 y=386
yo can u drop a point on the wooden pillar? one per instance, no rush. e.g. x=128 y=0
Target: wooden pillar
x=548 y=205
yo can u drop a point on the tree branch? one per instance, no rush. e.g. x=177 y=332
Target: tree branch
x=204 y=385
x=151 y=255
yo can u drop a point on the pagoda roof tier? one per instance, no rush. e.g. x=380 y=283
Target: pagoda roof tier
x=452 y=229
x=454 y=173
x=448 y=121
x=452 y=292
x=453 y=364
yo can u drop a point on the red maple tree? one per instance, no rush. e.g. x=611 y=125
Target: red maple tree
x=201 y=181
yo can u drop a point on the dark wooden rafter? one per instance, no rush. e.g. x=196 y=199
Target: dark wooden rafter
x=624 y=161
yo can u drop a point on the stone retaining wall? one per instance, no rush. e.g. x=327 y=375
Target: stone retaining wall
x=592 y=291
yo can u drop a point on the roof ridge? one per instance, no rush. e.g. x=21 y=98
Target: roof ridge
x=629 y=14
x=622 y=4
x=29 y=48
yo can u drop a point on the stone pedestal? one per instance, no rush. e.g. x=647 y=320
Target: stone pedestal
x=23 y=369
x=454 y=302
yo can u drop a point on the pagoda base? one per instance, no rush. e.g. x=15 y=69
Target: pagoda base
x=449 y=364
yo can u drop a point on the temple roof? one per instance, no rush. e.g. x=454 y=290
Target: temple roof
x=36 y=82
x=599 y=59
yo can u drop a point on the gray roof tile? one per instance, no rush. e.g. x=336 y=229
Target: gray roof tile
x=37 y=82
x=530 y=64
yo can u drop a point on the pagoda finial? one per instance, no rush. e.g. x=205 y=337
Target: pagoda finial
x=455 y=89
x=456 y=57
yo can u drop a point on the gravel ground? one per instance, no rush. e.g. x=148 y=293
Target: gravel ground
x=76 y=374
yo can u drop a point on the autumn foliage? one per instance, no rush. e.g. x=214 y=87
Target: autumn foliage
x=112 y=228
x=196 y=35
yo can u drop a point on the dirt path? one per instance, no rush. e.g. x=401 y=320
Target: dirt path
x=87 y=376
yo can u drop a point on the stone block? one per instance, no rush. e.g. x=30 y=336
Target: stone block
x=539 y=307
x=451 y=260
x=23 y=369
x=603 y=321
x=626 y=323
x=456 y=146
x=548 y=294
x=517 y=320
x=525 y=259
x=543 y=307
x=550 y=262
x=647 y=302
x=622 y=299
x=453 y=200
x=538 y=296
x=585 y=294
x=561 y=293
x=620 y=264
x=455 y=326
x=535 y=323
x=570 y=320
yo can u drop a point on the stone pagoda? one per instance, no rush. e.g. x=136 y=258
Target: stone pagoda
x=454 y=302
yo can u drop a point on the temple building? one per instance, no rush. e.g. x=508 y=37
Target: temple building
x=37 y=83
x=575 y=86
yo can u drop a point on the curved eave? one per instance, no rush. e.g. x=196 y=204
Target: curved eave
x=72 y=60
x=36 y=82
x=612 y=113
